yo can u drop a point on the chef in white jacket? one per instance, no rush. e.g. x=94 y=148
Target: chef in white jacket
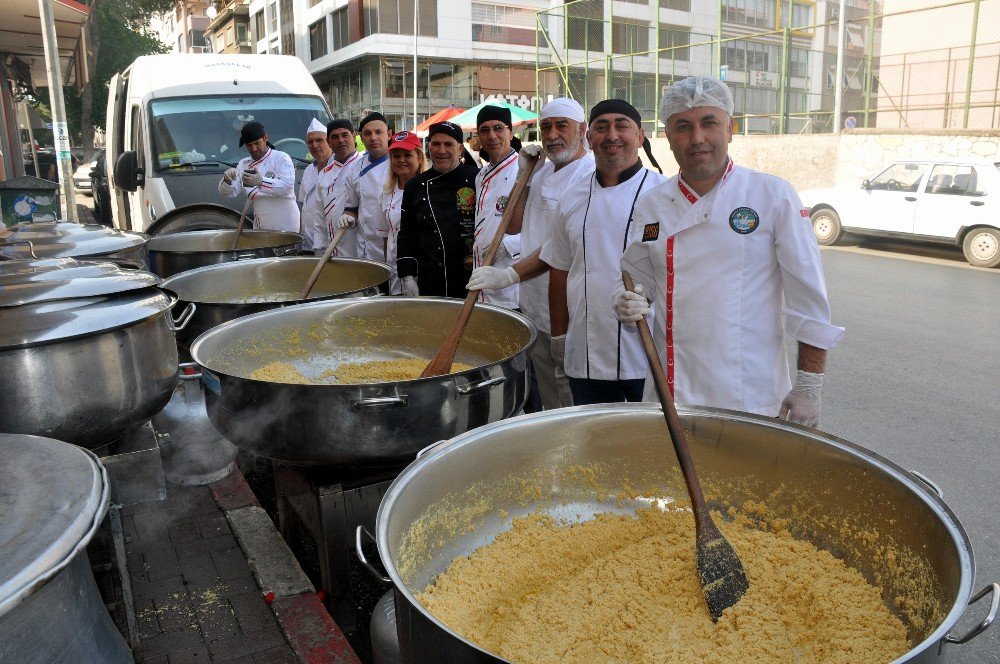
x=267 y=176
x=309 y=191
x=729 y=258
x=340 y=134
x=363 y=185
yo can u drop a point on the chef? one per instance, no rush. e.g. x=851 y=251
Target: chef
x=267 y=176
x=437 y=219
x=309 y=190
x=406 y=161
x=364 y=183
x=340 y=134
x=729 y=257
x=604 y=360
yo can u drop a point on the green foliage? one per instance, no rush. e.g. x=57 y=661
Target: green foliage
x=71 y=100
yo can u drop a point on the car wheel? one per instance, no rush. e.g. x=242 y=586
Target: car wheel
x=826 y=226
x=981 y=247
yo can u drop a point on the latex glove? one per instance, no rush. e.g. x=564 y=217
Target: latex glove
x=347 y=221
x=229 y=175
x=557 y=350
x=802 y=405
x=630 y=307
x=252 y=179
x=530 y=150
x=492 y=278
x=409 y=286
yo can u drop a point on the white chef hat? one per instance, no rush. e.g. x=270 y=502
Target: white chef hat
x=563 y=107
x=695 y=91
x=315 y=126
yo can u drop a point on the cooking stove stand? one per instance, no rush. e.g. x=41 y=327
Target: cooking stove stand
x=330 y=503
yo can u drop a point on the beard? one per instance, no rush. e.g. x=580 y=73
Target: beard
x=562 y=155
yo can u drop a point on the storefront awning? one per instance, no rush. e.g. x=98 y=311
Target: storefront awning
x=21 y=37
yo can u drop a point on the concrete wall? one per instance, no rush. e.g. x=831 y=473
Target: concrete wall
x=811 y=161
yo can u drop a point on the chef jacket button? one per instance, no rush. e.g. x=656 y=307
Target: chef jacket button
x=670 y=342
x=670 y=273
x=670 y=362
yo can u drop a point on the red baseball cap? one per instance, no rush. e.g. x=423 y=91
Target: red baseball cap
x=405 y=140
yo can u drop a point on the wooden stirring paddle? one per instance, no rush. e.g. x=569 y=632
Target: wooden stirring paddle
x=239 y=226
x=324 y=259
x=723 y=580
x=441 y=363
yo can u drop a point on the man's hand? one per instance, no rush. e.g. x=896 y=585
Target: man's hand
x=229 y=175
x=252 y=179
x=802 y=405
x=347 y=221
x=409 y=285
x=631 y=307
x=530 y=150
x=492 y=278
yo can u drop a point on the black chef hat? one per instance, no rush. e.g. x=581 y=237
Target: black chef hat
x=251 y=131
x=622 y=107
x=371 y=117
x=339 y=123
x=449 y=128
x=491 y=112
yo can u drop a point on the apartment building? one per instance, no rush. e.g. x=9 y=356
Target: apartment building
x=183 y=29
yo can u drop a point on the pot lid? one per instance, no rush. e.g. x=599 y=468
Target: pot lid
x=67 y=240
x=60 y=320
x=42 y=529
x=79 y=279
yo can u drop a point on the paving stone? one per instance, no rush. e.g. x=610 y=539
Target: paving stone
x=230 y=563
x=224 y=650
x=217 y=620
x=279 y=655
x=158 y=659
x=164 y=589
x=145 y=617
x=161 y=564
x=199 y=571
x=172 y=642
x=251 y=611
x=150 y=527
x=207 y=545
x=182 y=531
x=212 y=525
x=230 y=588
x=176 y=615
x=192 y=655
x=143 y=508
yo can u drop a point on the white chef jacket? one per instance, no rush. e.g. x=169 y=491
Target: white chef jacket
x=312 y=208
x=364 y=183
x=593 y=229
x=493 y=186
x=274 y=205
x=333 y=195
x=725 y=270
x=390 y=205
x=545 y=189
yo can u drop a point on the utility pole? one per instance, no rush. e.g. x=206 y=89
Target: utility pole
x=416 y=78
x=60 y=131
x=838 y=88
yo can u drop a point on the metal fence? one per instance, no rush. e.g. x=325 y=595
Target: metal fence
x=935 y=67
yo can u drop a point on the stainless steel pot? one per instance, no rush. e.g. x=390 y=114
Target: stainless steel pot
x=352 y=424
x=180 y=252
x=53 y=497
x=223 y=292
x=69 y=240
x=846 y=491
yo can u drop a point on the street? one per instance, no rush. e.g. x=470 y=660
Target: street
x=916 y=379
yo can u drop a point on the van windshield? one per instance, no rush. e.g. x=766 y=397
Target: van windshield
x=203 y=133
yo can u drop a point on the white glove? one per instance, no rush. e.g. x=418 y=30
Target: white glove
x=347 y=221
x=802 y=405
x=492 y=278
x=229 y=175
x=409 y=286
x=252 y=179
x=630 y=307
x=530 y=150
x=557 y=351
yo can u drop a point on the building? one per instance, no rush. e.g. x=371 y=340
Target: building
x=229 y=28
x=183 y=29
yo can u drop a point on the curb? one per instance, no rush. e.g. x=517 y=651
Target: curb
x=303 y=618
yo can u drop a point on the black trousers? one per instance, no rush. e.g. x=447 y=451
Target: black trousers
x=588 y=390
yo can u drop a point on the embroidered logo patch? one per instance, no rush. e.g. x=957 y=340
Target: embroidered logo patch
x=400 y=136
x=269 y=174
x=465 y=198
x=502 y=204
x=804 y=212
x=744 y=220
x=650 y=232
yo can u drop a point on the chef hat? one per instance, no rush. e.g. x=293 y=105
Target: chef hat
x=491 y=112
x=449 y=128
x=693 y=92
x=316 y=127
x=250 y=132
x=339 y=123
x=563 y=107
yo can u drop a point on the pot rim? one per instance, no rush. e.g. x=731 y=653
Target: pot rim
x=959 y=537
x=187 y=252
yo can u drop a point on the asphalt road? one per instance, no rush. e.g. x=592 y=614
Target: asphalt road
x=917 y=379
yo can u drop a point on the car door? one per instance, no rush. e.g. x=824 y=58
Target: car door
x=954 y=197
x=891 y=198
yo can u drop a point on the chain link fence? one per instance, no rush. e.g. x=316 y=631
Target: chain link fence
x=932 y=67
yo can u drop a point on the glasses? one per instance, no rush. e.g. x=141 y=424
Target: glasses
x=496 y=129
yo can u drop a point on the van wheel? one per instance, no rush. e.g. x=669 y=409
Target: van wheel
x=826 y=226
x=981 y=247
x=196 y=220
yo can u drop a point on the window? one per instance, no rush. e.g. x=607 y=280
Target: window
x=272 y=14
x=229 y=36
x=798 y=62
x=313 y=3
x=677 y=38
x=196 y=38
x=317 y=39
x=258 y=26
x=759 y=13
x=395 y=17
x=585 y=26
x=503 y=23
x=899 y=177
x=287 y=28
x=341 y=34
x=629 y=36
x=954 y=180
x=752 y=56
x=677 y=5
x=241 y=34
x=801 y=15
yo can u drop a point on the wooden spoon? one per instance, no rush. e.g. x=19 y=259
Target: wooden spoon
x=239 y=226
x=441 y=363
x=324 y=259
x=723 y=580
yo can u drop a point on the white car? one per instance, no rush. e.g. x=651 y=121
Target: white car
x=950 y=201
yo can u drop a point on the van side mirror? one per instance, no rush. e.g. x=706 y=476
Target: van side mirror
x=866 y=185
x=129 y=176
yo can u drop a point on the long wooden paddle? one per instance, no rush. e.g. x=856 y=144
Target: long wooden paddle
x=441 y=363
x=723 y=580
x=239 y=226
x=322 y=262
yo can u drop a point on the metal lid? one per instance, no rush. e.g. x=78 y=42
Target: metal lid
x=77 y=279
x=60 y=320
x=53 y=496
x=59 y=240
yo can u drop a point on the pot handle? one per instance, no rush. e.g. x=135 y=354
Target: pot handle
x=361 y=554
x=195 y=375
x=381 y=403
x=466 y=390
x=246 y=255
x=181 y=321
x=31 y=247
x=923 y=478
x=993 y=588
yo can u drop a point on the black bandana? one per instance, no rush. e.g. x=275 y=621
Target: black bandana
x=251 y=131
x=339 y=124
x=491 y=112
x=370 y=118
x=619 y=106
x=449 y=128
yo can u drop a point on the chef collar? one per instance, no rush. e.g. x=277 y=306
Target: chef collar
x=625 y=175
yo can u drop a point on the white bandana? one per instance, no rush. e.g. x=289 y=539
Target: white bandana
x=563 y=107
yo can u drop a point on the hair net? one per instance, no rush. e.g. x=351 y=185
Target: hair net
x=696 y=91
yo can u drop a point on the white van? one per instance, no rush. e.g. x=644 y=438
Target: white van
x=173 y=127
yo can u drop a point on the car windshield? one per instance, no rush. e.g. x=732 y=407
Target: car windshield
x=203 y=133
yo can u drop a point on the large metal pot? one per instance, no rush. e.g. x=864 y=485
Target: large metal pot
x=179 y=252
x=226 y=291
x=378 y=423
x=53 y=497
x=834 y=493
x=70 y=240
